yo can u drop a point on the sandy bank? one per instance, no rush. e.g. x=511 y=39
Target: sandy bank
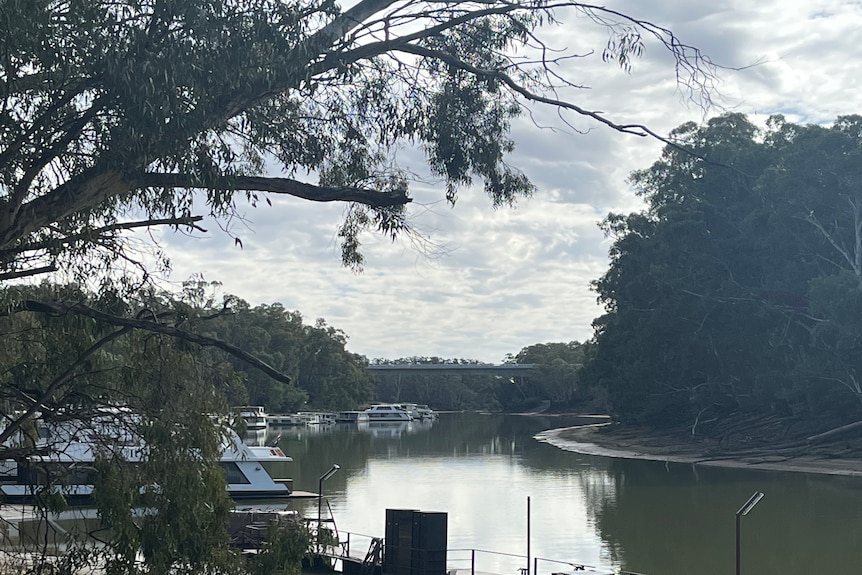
x=602 y=440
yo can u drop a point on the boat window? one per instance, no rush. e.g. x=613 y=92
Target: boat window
x=45 y=473
x=232 y=472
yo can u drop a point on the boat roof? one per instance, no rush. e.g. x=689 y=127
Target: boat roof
x=233 y=449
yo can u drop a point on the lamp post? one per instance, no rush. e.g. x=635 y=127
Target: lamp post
x=323 y=478
x=748 y=506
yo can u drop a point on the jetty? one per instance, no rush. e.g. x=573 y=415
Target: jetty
x=415 y=543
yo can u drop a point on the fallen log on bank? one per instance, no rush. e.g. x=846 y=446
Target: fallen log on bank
x=832 y=433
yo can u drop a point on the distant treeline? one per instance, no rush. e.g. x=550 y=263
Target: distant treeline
x=555 y=380
x=78 y=349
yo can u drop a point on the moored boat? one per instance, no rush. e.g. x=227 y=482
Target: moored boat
x=387 y=412
x=254 y=416
x=284 y=420
x=425 y=412
x=351 y=417
x=72 y=463
x=316 y=417
x=418 y=411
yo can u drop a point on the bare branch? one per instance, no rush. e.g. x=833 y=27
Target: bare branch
x=96 y=233
x=27 y=273
x=848 y=257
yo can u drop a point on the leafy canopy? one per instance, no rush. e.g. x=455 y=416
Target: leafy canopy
x=118 y=115
x=738 y=289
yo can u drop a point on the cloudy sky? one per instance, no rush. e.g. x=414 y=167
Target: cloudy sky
x=491 y=282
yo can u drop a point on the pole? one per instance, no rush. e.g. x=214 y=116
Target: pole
x=323 y=478
x=319 y=501
x=744 y=510
x=737 y=543
x=528 y=535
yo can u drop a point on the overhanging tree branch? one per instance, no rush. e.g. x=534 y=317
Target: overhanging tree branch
x=126 y=128
x=303 y=190
x=96 y=233
x=17 y=274
x=152 y=324
x=636 y=129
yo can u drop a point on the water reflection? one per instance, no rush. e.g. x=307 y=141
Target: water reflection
x=675 y=518
x=376 y=429
x=642 y=516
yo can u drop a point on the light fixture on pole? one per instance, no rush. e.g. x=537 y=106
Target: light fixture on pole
x=323 y=478
x=748 y=506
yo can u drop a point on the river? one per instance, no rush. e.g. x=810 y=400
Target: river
x=640 y=516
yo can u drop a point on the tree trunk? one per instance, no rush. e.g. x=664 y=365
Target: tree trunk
x=826 y=435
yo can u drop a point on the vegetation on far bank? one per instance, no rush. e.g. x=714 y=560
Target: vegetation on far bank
x=737 y=293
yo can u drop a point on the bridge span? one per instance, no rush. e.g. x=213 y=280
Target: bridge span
x=503 y=369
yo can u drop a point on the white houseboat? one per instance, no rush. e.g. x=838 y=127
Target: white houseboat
x=387 y=412
x=253 y=415
x=244 y=467
x=351 y=417
x=284 y=420
x=316 y=417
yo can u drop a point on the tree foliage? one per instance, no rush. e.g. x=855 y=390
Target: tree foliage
x=65 y=376
x=139 y=113
x=737 y=289
x=555 y=377
x=324 y=375
x=67 y=372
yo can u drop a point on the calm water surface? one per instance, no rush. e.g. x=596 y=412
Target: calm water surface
x=640 y=516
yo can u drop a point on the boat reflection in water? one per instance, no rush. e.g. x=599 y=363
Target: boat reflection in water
x=389 y=429
x=375 y=429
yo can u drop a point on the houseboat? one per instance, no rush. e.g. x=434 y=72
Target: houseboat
x=253 y=415
x=424 y=412
x=351 y=417
x=284 y=420
x=387 y=412
x=316 y=417
x=70 y=466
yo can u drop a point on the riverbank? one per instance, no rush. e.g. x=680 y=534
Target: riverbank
x=611 y=440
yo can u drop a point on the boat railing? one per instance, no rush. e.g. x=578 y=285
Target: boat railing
x=355 y=547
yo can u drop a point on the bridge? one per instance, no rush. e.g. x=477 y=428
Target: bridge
x=504 y=369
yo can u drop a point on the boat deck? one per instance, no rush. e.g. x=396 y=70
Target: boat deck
x=298 y=494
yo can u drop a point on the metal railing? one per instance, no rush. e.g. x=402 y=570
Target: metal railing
x=368 y=550
x=481 y=562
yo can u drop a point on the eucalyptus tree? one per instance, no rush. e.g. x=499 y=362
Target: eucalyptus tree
x=818 y=182
x=142 y=113
x=737 y=290
x=113 y=387
x=679 y=289
x=323 y=373
x=555 y=376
